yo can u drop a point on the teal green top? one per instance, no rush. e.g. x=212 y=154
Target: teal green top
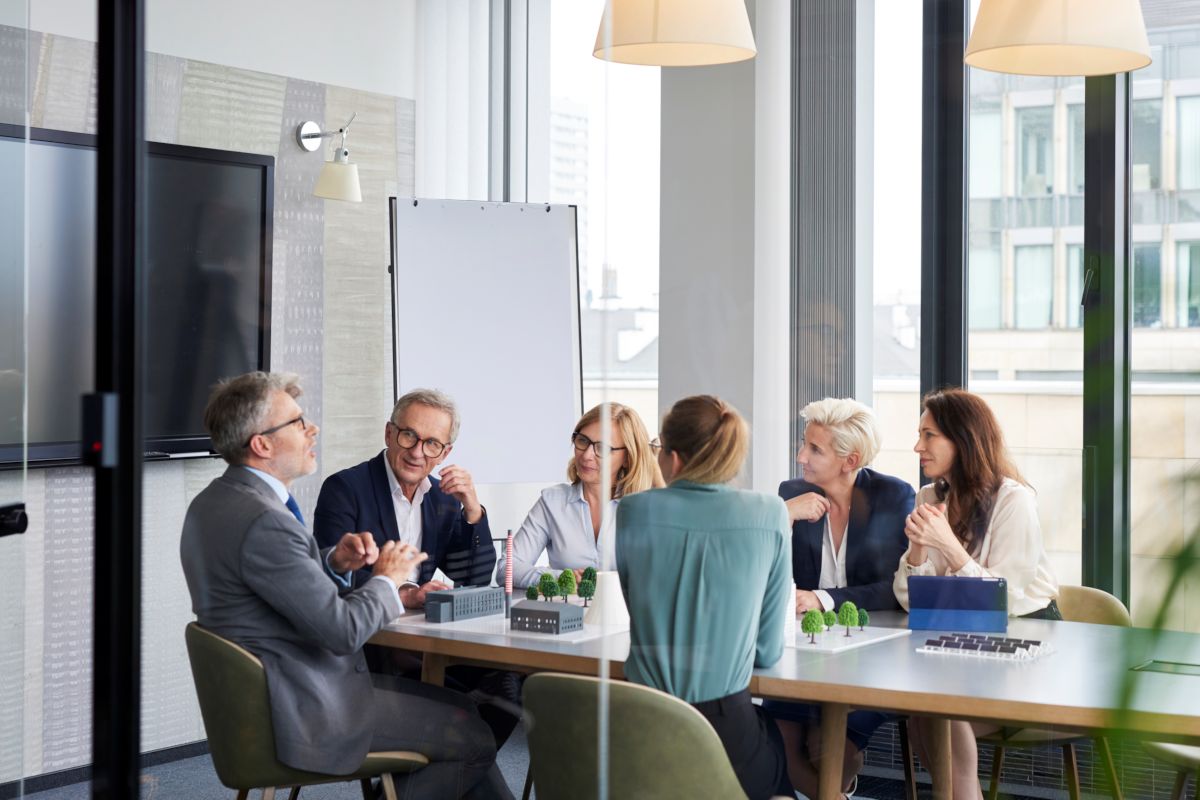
x=707 y=574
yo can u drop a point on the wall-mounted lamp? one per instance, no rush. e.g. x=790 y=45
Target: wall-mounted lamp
x=675 y=33
x=1059 y=37
x=339 y=178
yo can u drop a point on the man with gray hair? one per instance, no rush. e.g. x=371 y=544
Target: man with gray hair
x=395 y=497
x=257 y=577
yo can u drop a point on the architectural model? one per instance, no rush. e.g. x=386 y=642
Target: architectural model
x=545 y=617
x=470 y=601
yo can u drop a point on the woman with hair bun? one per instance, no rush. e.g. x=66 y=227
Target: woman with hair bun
x=706 y=573
x=977 y=518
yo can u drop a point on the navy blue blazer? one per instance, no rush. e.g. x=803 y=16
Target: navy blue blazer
x=876 y=539
x=360 y=499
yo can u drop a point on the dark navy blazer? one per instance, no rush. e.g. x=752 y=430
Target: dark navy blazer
x=360 y=499
x=876 y=539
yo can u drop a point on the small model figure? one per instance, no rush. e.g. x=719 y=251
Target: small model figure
x=547 y=586
x=547 y=617
x=531 y=592
x=812 y=623
x=864 y=619
x=467 y=602
x=587 y=589
x=566 y=584
x=830 y=619
x=848 y=615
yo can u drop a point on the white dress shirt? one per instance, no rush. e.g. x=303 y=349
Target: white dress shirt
x=560 y=525
x=282 y=493
x=833 y=566
x=408 y=512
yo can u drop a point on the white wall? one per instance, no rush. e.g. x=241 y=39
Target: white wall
x=358 y=44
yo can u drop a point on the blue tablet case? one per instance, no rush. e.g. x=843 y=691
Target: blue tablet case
x=952 y=603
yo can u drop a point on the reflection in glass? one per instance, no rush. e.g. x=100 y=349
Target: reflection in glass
x=1147 y=286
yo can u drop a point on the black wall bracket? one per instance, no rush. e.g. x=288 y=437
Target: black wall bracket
x=13 y=519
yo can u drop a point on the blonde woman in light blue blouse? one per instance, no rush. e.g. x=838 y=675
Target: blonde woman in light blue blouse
x=568 y=521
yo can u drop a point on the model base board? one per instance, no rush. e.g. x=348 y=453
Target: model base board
x=834 y=640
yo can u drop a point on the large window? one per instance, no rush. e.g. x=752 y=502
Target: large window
x=1035 y=151
x=1146 y=143
x=1187 y=284
x=984 y=285
x=1147 y=286
x=1034 y=286
x=1189 y=142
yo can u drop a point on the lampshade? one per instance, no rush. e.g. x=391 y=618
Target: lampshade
x=1059 y=37
x=339 y=181
x=675 y=33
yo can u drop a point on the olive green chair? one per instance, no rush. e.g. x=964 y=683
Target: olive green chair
x=231 y=685
x=1077 y=604
x=659 y=747
x=1185 y=757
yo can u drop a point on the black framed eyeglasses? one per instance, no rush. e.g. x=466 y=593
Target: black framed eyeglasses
x=277 y=428
x=601 y=449
x=408 y=439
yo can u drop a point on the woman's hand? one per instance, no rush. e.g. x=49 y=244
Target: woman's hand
x=927 y=527
x=809 y=507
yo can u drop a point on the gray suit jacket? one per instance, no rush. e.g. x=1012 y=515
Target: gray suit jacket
x=256 y=577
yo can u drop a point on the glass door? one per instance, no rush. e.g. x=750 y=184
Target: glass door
x=14 y=226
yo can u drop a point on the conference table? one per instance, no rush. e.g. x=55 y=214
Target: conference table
x=1077 y=686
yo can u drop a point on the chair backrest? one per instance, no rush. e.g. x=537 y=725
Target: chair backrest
x=1085 y=604
x=231 y=685
x=658 y=745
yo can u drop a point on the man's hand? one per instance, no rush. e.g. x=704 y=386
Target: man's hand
x=397 y=561
x=809 y=507
x=414 y=596
x=807 y=601
x=353 y=551
x=457 y=483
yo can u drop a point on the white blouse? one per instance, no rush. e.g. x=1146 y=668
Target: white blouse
x=560 y=525
x=1012 y=549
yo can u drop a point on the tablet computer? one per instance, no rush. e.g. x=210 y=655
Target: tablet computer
x=953 y=603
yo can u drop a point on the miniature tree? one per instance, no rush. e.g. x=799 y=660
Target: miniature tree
x=589 y=574
x=548 y=586
x=864 y=619
x=812 y=623
x=531 y=593
x=586 y=590
x=566 y=583
x=848 y=615
x=830 y=619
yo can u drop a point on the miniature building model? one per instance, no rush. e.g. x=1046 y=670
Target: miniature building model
x=470 y=601
x=545 y=617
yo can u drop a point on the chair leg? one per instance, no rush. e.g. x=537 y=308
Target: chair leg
x=1110 y=767
x=294 y=793
x=528 y=783
x=1071 y=771
x=368 y=791
x=243 y=794
x=910 y=775
x=389 y=786
x=997 y=765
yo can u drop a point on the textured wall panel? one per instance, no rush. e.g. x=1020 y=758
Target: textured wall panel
x=67 y=600
x=35 y=616
x=297 y=307
x=19 y=50
x=164 y=96
x=12 y=639
x=358 y=323
x=823 y=202
x=65 y=95
x=230 y=109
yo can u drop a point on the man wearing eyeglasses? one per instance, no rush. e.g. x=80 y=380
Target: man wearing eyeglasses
x=257 y=577
x=395 y=497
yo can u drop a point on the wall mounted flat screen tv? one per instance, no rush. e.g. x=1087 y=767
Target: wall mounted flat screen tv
x=207 y=273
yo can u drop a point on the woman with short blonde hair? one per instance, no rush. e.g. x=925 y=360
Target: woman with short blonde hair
x=568 y=521
x=688 y=556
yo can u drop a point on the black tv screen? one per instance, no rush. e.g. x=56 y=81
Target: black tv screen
x=207 y=275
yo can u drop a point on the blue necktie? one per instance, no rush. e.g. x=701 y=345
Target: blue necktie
x=294 y=507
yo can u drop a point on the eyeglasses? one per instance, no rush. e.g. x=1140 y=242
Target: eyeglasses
x=601 y=449
x=408 y=439
x=656 y=445
x=277 y=428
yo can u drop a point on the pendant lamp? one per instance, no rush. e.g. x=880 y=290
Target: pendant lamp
x=1059 y=37
x=674 y=33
